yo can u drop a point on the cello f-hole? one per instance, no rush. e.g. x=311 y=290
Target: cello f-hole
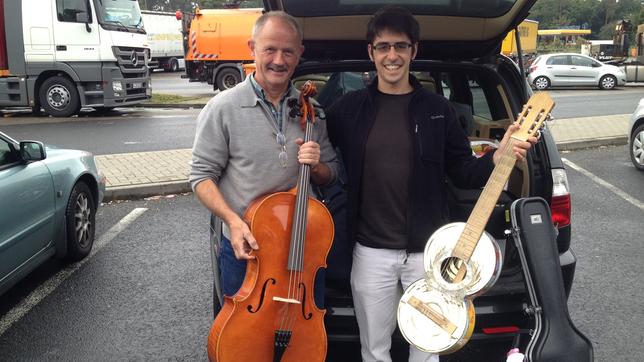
x=261 y=298
x=305 y=315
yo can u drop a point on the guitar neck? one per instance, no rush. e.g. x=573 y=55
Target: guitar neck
x=483 y=209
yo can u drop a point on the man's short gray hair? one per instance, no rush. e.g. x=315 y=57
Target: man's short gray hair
x=261 y=21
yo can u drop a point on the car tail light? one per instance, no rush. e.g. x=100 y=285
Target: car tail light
x=532 y=68
x=560 y=205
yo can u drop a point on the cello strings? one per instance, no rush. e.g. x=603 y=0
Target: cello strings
x=300 y=232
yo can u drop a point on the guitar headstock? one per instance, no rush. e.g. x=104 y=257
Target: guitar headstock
x=533 y=115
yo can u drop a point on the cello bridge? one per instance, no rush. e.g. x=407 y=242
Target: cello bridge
x=286 y=300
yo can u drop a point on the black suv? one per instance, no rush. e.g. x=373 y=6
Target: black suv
x=459 y=59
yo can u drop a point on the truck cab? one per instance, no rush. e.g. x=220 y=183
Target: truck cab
x=71 y=54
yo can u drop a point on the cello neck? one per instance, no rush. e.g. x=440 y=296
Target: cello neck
x=298 y=231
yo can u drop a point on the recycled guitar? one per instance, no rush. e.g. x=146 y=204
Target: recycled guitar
x=461 y=260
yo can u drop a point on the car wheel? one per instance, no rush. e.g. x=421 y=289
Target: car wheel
x=59 y=97
x=228 y=78
x=637 y=147
x=541 y=83
x=607 y=82
x=81 y=220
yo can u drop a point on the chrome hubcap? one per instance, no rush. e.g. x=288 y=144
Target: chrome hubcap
x=608 y=82
x=541 y=83
x=638 y=150
x=58 y=96
x=82 y=220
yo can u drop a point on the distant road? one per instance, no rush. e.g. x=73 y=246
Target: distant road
x=571 y=103
x=151 y=129
x=172 y=83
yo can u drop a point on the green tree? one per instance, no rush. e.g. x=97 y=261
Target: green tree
x=600 y=16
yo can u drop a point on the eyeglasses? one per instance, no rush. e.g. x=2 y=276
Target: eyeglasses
x=383 y=48
x=283 y=156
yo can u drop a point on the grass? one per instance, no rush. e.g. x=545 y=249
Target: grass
x=171 y=99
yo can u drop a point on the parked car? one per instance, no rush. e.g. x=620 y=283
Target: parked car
x=48 y=202
x=458 y=58
x=570 y=69
x=636 y=136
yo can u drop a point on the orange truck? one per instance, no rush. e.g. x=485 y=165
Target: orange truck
x=215 y=42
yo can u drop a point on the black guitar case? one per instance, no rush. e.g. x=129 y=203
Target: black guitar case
x=555 y=337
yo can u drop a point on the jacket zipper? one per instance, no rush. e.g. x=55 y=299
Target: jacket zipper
x=418 y=138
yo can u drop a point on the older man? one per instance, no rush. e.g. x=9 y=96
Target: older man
x=247 y=145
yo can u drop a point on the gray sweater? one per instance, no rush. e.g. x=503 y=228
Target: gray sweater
x=235 y=146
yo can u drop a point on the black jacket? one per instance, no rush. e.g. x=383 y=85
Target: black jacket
x=440 y=147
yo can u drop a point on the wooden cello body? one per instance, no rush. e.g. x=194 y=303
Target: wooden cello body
x=273 y=317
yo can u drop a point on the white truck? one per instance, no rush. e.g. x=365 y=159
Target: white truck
x=164 y=39
x=62 y=55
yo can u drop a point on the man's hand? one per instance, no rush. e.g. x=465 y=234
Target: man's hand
x=242 y=240
x=309 y=153
x=519 y=148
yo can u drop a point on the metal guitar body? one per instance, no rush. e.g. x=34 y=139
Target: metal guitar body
x=435 y=313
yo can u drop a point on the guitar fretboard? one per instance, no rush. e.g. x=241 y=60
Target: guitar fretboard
x=485 y=204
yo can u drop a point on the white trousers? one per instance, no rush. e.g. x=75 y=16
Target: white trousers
x=378 y=278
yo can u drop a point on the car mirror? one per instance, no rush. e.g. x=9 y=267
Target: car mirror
x=32 y=151
x=82 y=17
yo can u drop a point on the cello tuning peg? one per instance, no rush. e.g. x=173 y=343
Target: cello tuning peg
x=292 y=102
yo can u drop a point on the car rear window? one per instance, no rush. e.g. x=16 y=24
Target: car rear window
x=471 y=8
x=469 y=95
x=558 y=60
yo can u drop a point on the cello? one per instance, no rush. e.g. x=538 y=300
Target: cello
x=273 y=316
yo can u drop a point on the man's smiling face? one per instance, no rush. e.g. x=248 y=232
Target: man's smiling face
x=392 y=62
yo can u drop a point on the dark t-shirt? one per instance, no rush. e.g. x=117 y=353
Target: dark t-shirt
x=382 y=216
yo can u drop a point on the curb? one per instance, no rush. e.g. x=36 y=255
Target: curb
x=592 y=143
x=140 y=191
x=131 y=192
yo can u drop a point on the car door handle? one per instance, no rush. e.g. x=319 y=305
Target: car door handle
x=573 y=67
x=61 y=47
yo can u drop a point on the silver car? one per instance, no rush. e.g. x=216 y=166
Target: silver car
x=571 y=69
x=48 y=201
x=636 y=136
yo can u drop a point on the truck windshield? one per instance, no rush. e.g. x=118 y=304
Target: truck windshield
x=123 y=15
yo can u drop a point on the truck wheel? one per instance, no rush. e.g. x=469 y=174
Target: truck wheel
x=228 y=78
x=59 y=97
x=174 y=65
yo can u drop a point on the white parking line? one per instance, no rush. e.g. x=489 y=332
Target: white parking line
x=607 y=185
x=56 y=280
